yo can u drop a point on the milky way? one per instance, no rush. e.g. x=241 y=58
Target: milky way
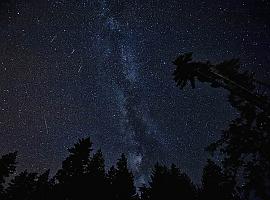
x=73 y=69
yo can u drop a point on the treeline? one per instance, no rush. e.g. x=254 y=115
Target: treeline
x=83 y=176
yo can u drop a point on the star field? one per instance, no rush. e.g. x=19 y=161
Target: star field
x=73 y=69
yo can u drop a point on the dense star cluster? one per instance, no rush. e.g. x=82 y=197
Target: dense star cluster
x=76 y=68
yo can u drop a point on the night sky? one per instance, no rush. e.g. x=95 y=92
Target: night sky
x=72 y=69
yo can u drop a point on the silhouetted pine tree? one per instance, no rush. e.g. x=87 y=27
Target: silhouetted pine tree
x=168 y=184
x=72 y=178
x=110 y=176
x=96 y=177
x=96 y=165
x=215 y=184
x=43 y=187
x=7 y=167
x=22 y=187
x=121 y=181
x=29 y=186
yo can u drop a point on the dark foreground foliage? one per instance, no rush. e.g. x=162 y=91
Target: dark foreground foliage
x=83 y=176
x=245 y=145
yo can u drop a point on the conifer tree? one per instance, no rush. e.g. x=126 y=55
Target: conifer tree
x=122 y=180
x=215 y=184
x=168 y=183
x=43 y=188
x=7 y=167
x=96 y=177
x=72 y=178
x=22 y=186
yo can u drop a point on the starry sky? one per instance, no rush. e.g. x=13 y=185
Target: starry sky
x=102 y=68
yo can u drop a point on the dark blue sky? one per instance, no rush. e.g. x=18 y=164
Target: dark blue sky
x=73 y=69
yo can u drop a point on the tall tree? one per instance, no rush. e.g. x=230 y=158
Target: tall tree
x=168 y=184
x=122 y=181
x=43 y=188
x=215 y=184
x=96 y=177
x=22 y=186
x=7 y=167
x=29 y=186
x=244 y=145
x=96 y=165
x=72 y=177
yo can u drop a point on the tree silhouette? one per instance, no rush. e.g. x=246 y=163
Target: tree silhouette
x=96 y=177
x=7 y=167
x=122 y=181
x=22 y=186
x=110 y=177
x=244 y=145
x=43 y=188
x=72 y=178
x=168 y=184
x=96 y=166
x=226 y=75
x=29 y=186
x=215 y=184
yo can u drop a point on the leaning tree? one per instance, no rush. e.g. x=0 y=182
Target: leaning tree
x=244 y=146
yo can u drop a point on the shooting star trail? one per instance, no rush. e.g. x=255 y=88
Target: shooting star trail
x=79 y=69
x=80 y=65
x=54 y=37
x=46 y=125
